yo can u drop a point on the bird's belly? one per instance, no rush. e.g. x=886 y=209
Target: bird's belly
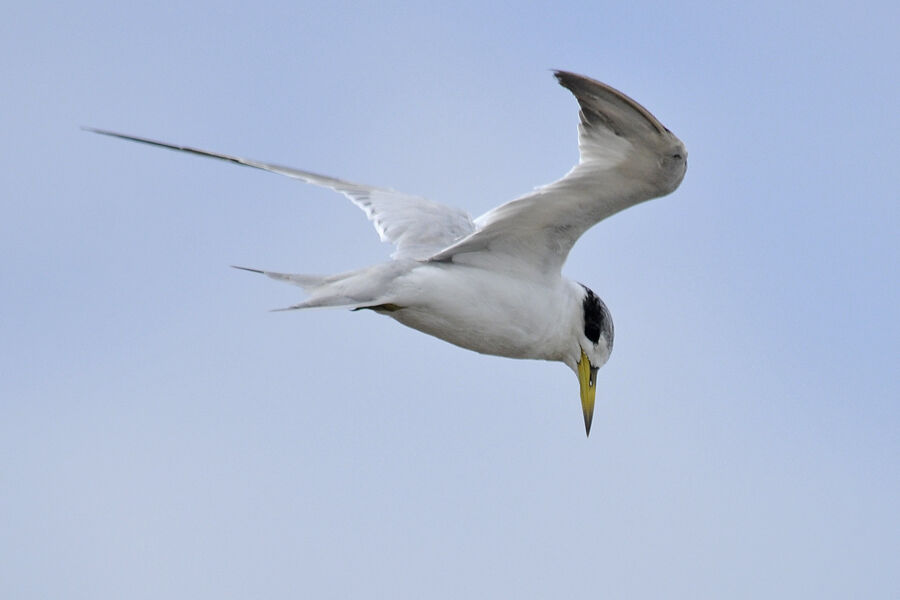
x=483 y=311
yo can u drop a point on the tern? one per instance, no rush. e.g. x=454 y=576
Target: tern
x=494 y=284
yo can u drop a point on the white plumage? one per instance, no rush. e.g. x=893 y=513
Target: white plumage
x=494 y=285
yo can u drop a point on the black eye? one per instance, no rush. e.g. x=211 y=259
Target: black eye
x=677 y=156
x=592 y=332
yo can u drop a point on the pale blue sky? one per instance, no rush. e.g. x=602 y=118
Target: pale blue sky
x=163 y=436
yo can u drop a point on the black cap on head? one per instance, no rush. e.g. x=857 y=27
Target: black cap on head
x=597 y=319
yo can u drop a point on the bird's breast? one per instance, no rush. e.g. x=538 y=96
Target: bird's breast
x=485 y=311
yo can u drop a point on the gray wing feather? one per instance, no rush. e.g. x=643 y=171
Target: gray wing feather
x=626 y=156
x=417 y=227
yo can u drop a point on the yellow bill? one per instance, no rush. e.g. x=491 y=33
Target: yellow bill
x=587 y=379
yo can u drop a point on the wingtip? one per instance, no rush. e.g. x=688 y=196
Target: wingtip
x=90 y=129
x=131 y=138
x=575 y=82
x=594 y=97
x=563 y=76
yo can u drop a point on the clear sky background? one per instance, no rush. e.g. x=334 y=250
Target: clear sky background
x=164 y=436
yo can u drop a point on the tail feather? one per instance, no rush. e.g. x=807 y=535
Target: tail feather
x=307 y=282
x=356 y=289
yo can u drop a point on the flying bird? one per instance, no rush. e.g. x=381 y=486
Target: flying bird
x=494 y=284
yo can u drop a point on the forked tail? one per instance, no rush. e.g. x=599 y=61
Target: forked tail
x=355 y=289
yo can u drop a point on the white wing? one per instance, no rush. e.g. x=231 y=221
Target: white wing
x=626 y=157
x=416 y=226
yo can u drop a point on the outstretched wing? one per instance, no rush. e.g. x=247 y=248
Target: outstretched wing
x=626 y=157
x=416 y=226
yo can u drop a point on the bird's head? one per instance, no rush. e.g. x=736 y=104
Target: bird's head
x=595 y=342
